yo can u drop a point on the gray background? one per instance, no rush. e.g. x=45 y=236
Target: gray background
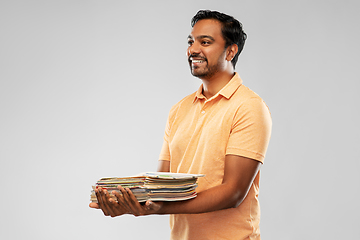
x=86 y=86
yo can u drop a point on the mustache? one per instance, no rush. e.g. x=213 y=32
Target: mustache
x=197 y=56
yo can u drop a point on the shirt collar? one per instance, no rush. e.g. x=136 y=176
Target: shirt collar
x=227 y=91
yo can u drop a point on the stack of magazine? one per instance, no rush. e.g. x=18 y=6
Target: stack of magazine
x=155 y=186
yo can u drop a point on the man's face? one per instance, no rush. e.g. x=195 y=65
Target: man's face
x=206 y=50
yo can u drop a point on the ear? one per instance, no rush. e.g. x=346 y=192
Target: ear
x=231 y=52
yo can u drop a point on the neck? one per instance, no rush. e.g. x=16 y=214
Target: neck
x=213 y=85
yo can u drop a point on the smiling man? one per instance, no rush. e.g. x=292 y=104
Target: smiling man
x=222 y=130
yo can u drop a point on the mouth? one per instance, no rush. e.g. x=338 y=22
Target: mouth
x=196 y=62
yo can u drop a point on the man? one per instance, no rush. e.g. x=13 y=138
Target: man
x=222 y=131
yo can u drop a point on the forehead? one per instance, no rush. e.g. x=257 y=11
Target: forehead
x=207 y=27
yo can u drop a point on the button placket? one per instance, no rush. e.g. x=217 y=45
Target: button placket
x=203 y=107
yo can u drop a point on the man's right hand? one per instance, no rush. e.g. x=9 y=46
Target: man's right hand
x=132 y=205
x=126 y=203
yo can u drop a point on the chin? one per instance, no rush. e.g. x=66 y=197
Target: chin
x=198 y=73
x=202 y=74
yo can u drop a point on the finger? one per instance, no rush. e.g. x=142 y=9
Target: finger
x=134 y=204
x=109 y=202
x=100 y=202
x=94 y=205
x=99 y=199
x=125 y=203
x=117 y=207
x=125 y=200
x=121 y=202
x=113 y=211
x=103 y=201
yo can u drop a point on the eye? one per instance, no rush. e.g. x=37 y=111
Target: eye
x=205 y=42
x=190 y=42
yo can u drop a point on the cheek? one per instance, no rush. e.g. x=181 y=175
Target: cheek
x=211 y=56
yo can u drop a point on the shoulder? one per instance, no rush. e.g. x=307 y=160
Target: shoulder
x=244 y=93
x=184 y=103
x=249 y=103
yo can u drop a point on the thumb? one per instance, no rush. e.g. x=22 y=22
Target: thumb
x=153 y=206
x=94 y=205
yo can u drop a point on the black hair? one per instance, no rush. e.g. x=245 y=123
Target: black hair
x=232 y=29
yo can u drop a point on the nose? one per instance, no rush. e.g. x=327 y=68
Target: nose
x=193 y=49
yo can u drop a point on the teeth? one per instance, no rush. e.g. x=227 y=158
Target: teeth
x=197 y=61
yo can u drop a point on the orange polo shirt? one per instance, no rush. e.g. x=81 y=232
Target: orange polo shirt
x=198 y=135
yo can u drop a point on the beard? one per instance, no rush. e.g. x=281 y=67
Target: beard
x=206 y=71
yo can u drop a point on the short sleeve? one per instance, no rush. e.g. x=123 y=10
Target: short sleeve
x=165 y=150
x=251 y=130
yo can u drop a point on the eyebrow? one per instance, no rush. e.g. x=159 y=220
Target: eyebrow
x=202 y=36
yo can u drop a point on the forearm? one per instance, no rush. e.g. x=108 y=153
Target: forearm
x=216 y=198
x=238 y=177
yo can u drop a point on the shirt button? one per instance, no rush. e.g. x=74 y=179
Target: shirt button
x=202 y=112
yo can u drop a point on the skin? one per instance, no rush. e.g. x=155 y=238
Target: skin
x=207 y=44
